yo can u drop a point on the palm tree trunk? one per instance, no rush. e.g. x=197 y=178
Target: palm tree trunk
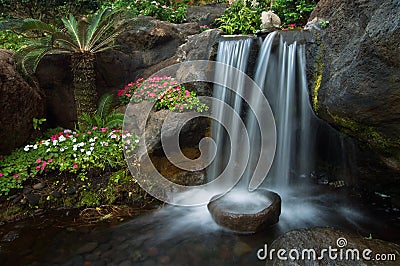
x=84 y=75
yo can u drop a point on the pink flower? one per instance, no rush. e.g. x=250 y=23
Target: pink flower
x=38 y=160
x=89 y=132
x=44 y=165
x=103 y=129
x=94 y=128
x=75 y=165
x=121 y=93
x=16 y=176
x=128 y=95
x=1 y=174
x=49 y=160
x=38 y=167
x=105 y=144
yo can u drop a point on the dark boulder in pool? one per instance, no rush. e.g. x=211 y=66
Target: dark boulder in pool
x=246 y=212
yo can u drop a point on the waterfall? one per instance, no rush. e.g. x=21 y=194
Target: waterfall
x=234 y=53
x=280 y=73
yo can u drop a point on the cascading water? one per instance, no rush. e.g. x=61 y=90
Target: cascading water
x=234 y=53
x=280 y=73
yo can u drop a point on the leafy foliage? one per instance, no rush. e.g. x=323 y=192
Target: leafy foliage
x=49 y=11
x=105 y=116
x=65 y=152
x=161 y=9
x=164 y=91
x=92 y=35
x=293 y=11
x=11 y=41
x=244 y=16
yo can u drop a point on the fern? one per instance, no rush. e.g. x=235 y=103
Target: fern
x=104 y=116
x=105 y=105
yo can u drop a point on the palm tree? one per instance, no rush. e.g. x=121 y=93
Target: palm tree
x=82 y=39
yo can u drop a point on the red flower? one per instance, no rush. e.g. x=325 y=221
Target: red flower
x=15 y=175
x=121 y=93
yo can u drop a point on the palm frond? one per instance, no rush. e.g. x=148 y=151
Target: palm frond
x=62 y=40
x=105 y=105
x=71 y=25
x=31 y=24
x=94 y=24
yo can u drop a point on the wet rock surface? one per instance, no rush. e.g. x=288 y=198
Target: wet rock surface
x=19 y=104
x=356 y=77
x=322 y=238
x=241 y=219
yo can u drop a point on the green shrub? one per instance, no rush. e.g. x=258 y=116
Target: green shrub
x=295 y=12
x=67 y=151
x=163 y=10
x=49 y=11
x=11 y=41
x=242 y=17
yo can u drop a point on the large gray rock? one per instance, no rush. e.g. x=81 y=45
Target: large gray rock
x=19 y=104
x=205 y=14
x=356 y=79
x=322 y=238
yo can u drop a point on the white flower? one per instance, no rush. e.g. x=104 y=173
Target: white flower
x=92 y=140
x=26 y=148
x=128 y=141
x=81 y=144
x=88 y=153
x=54 y=142
x=61 y=149
x=61 y=138
x=35 y=147
x=137 y=140
x=82 y=150
x=48 y=150
x=75 y=148
x=113 y=136
x=92 y=144
x=74 y=155
x=46 y=143
x=73 y=140
x=128 y=134
x=91 y=148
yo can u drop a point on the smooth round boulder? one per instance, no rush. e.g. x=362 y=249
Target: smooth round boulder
x=246 y=212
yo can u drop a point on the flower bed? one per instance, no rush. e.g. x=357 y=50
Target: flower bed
x=66 y=152
x=164 y=91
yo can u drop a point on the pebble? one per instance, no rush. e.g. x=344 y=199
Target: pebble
x=164 y=259
x=152 y=252
x=38 y=186
x=241 y=248
x=10 y=236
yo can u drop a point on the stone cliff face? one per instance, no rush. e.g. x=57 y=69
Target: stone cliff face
x=356 y=76
x=19 y=103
